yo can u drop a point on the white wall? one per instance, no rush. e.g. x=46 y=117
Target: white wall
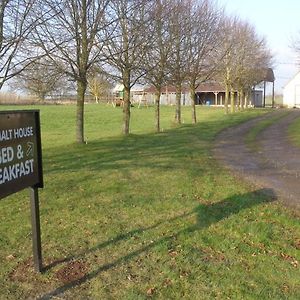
x=291 y=92
x=170 y=99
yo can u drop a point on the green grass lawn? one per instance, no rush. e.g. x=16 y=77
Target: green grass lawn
x=294 y=132
x=147 y=216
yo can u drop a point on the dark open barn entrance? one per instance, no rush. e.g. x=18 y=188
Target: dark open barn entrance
x=210 y=98
x=210 y=94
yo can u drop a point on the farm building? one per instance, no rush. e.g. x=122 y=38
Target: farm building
x=291 y=92
x=206 y=94
x=137 y=92
x=267 y=76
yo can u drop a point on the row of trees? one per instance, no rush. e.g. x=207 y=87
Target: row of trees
x=159 y=42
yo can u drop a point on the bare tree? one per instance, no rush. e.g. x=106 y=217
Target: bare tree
x=227 y=57
x=230 y=62
x=251 y=59
x=69 y=36
x=295 y=45
x=126 y=46
x=180 y=18
x=99 y=85
x=157 y=58
x=16 y=24
x=40 y=79
x=204 y=40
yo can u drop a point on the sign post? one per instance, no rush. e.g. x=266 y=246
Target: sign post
x=21 y=165
x=36 y=229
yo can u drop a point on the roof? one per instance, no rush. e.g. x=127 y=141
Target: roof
x=210 y=87
x=135 y=88
x=203 y=87
x=269 y=75
x=118 y=88
x=292 y=79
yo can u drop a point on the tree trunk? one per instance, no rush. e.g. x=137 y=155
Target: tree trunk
x=226 y=99
x=193 y=97
x=126 y=110
x=81 y=88
x=157 y=109
x=239 y=100
x=41 y=97
x=232 y=104
x=243 y=99
x=178 y=104
x=246 y=100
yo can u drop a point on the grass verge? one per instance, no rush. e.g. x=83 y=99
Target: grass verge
x=147 y=216
x=251 y=138
x=294 y=133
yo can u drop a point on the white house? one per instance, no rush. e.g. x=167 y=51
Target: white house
x=291 y=92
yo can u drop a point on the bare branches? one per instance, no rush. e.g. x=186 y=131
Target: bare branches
x=69 y=36
x=156 y=60
x=127 y=41
x=16 y=24
x=39 y=79
x=246 y=57
x=99 y=86
x=158 y=41
x=204 y=42
x=126 y=45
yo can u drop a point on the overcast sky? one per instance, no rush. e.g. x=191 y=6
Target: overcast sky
x=279 y=22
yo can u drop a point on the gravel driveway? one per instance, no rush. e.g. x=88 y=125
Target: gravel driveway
x=273 y=164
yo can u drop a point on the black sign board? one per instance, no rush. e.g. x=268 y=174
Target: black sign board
x=20 y=151
x=21 y=165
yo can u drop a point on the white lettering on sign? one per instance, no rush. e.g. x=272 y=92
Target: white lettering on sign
x=20 y=151
x=23 y=132
x=6 y=135
x=6 y=155
x=9 y=155
x=17 y=133
x=16 y=171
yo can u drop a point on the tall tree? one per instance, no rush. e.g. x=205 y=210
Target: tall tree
x=157 y=58
x=40 y=79
x=228 y=55
x=251 y=59
x=203 y=37
x=126 y=46
x=99 y=85
x=16 y=24
x=180 y=18
x=70 y=36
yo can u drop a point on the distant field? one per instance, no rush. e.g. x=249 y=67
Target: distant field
x=149 y=215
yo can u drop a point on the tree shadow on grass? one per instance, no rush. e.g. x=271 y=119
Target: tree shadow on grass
x=129 y=152
x=207 y=214
x=131 y=158
x=119 y=238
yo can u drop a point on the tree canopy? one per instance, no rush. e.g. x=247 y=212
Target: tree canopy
x=178 y=42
